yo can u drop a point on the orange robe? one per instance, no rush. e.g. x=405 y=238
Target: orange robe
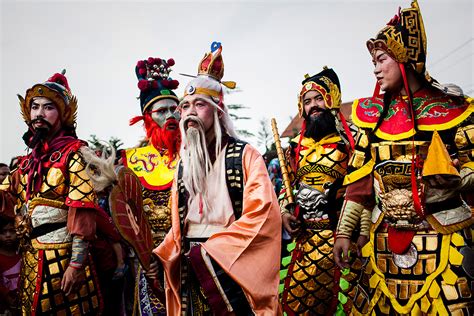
x=248 y=250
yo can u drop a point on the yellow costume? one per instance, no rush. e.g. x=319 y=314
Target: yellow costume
x=420 y=249
x=311 y=284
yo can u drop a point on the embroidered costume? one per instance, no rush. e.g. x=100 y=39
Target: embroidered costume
x=53 y=194
x=317 y=168
x=420 y=235
x=221 y=255
x=154 y=164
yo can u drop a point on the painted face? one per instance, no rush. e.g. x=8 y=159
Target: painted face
x=313 y=103
x=387 y=72
x=44 y=112
x=4 y=172
x=164 y=111
x=198 y=106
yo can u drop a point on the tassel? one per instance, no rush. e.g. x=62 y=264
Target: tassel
x=347 y=130
x=201 y=206
x=136 y=119
x=414 y=188
x=298 y=148
x=376 y=90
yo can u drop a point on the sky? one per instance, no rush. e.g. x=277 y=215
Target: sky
x=268 y=47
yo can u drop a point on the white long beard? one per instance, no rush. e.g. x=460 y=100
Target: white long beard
x=194 y=157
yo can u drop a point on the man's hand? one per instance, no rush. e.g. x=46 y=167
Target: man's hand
x=361 y=241
x=72 y=279
x=290 y=223
x=341 y=252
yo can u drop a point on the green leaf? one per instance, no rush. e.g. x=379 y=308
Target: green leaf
x=345 y=271
x=283 y=274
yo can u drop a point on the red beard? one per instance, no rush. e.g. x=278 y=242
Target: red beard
x=161 y=138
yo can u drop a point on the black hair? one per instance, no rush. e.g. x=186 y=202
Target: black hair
x=4 y=221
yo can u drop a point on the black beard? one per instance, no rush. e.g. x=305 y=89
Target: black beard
x=34 y=136
x=320 y=126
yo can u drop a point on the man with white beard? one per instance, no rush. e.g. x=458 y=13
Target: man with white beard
x=222 y=254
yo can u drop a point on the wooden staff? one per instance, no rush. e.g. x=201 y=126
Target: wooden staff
x=281 y=158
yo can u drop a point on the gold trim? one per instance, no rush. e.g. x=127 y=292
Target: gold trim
x=205 y=91
x=452 y=123
x=160 y=97
x=402 y=143
x=448 y=229
x=359 y=173
x=377 y=279
x=67 y=110
x=37 y=245
x=469 y=165
x=42 y=201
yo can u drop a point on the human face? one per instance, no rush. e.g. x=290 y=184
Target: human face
x=4 y=172
x=313 y=103
x=164 y=111
x=44 y=109
x=8 y=236
x=387 y=72
x=197 y=105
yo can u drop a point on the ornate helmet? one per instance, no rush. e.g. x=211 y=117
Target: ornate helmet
x=211 y=69
x=57 y=90
x=208 y=83
x=327 y=84
x=154 y=81
x=403 y=38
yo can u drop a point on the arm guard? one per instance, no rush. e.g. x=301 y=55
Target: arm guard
x=79 y=252
x=465 y=145
x=365 y=221
x=349 y=219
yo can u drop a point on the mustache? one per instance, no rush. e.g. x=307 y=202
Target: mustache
x=315 y=110
x=42 y=120
x=170 y=121
x=183 y=123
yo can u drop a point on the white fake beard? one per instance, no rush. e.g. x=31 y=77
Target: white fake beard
x=194 y=157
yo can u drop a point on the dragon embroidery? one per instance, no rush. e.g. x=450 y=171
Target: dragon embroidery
x=148 y=163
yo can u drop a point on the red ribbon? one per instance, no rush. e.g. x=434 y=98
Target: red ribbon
x=414 y=188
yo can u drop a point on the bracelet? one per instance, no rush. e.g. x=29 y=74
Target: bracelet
x=75 y=266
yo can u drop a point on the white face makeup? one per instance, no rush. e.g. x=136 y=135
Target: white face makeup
x=43 y=108
x=164 y=110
